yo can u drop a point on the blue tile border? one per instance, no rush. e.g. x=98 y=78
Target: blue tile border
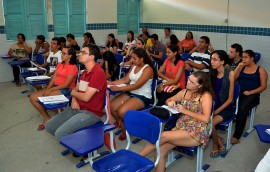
x=185 y=27
x=211 y=28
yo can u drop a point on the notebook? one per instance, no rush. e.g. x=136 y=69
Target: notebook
x=53 y=99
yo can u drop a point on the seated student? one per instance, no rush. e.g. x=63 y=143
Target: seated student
x=222 y=79
x=192 y=127
x=54 y=56
x=62 y=82
x=235 y=55
x=72 y=42
x=42 y=46
x=137 y=93
x=174 y=76
x=110 y=65
x=63 y=42
x=20 y=51
x=252 y=80
x=88 y=38
x=158 y=50
x=87 y=98
x=130 y=41
x=111 y=44
x=200 y=60
x=147 y=38
x=174 y=40
x=166 y=38
x=188 y=43
x=140 y=43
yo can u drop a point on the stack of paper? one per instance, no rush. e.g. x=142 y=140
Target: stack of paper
x=53 y=99
x=38 y=78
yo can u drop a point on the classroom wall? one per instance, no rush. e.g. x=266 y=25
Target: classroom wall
x=247 y=23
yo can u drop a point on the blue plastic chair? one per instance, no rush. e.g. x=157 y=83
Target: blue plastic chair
x=185 y=56
x=191 y=151
x=120 y=59
x=125 y=160
x=81 y=141
x=227 y=124
x=257 y=56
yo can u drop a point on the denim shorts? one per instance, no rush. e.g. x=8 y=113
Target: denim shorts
x=65 y=91
x=143 y=99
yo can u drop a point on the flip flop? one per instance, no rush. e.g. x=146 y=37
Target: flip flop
x=41 y=127
x=214 y=154
x=222 y=151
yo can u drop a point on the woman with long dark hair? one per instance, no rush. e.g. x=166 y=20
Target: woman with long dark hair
x=222 y=79
x=62 y=82
x=192 y=127
x=137 y=92
x=252 y=80
x=172 y=73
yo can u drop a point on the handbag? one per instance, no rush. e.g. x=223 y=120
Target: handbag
x=160 y=112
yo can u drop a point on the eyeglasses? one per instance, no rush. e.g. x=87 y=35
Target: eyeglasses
x=193 y=83
x=84 y=52
x=63 y=53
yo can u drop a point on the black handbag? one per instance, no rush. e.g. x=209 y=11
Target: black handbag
x=160 y=112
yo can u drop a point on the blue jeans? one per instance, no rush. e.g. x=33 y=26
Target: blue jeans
x=69 y=121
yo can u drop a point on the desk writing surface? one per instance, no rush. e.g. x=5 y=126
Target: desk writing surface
x=263 y=135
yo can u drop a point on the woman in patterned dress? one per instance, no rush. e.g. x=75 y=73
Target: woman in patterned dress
x=192 y=127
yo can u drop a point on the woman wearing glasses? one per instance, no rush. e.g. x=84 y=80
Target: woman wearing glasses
x=223 y=85
x=62 y=82
x=192 y=127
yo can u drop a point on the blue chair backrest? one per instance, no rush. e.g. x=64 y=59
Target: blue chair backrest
x=236 y=91
x=187 y=73
x=185 y=56
x=40 y=59
x=257 y=56
x=119 y=58
x=142 y=124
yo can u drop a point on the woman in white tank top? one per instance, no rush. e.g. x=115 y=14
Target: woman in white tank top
x=136 y=94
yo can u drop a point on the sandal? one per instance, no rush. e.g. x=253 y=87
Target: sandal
x=41 y=127
x=234 y=141
x=214 y=153
x=222 y=150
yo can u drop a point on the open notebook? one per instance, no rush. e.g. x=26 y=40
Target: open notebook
x=53 y=99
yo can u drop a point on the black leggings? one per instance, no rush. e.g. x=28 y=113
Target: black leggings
x=16 y=70
x=245 y=104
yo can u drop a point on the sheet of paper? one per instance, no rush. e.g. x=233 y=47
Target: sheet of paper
x=172 y=110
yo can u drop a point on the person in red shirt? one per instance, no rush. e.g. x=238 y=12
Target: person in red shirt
x=87 y=98
x=62 y=82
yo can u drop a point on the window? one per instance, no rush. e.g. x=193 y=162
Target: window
x=69 y=17
x=25 y=16
x=128 y=16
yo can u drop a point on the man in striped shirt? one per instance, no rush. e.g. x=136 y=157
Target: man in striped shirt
x=200 y=59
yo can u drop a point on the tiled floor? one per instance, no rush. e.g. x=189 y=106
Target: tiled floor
x=24 y=149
